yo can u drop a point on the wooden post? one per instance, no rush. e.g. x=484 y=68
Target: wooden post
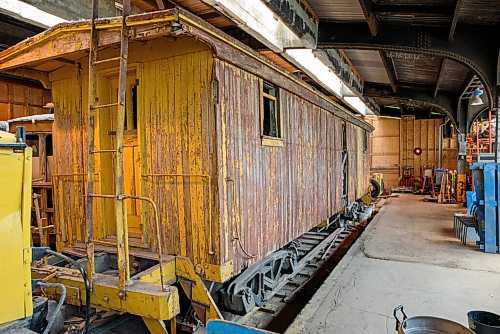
x=93 y=100
x=120 y=207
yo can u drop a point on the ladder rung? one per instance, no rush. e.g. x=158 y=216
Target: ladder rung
x=102 y=151
x=104 y=106
x=106 y=60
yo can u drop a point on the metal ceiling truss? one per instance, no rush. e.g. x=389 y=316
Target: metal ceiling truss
x=444 y=102
x=476 y=48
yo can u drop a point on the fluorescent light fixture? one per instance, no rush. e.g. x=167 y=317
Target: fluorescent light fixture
x=315 y=68
x=258 y=20
x=26 y=12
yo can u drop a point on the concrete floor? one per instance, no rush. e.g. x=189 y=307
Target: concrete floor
x=408 y=255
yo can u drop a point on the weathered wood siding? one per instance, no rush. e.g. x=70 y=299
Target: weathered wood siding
x=19 y=99
x=424 y=133
x=201 y=159
x=385 y=149
x=69 y=129
x=177 y=150
x=279 y=192
x=175 y=138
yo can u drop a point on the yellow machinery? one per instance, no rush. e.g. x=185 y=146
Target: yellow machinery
x=15 y=233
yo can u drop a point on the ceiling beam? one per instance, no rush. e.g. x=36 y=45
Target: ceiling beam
x=475 y=47
x=411 y=9
x=16 y=31
x=454 y=19
x=370 y=17
x=391 y=71
x=444 y=102
x=440 y=74
x=259 y=20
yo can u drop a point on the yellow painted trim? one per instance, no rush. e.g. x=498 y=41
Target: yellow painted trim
x=184 y=268
x=26 y=223
x=155 y=326
x=270 y=141
x=142 y=299
x=82 y=26
x=152 y=275
x=219 y=273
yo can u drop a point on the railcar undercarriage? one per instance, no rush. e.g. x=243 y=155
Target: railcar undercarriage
x=257 y=297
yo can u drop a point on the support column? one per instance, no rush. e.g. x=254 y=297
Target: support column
x=463 y=108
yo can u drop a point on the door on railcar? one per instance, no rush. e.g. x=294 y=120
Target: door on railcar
x=131 y=160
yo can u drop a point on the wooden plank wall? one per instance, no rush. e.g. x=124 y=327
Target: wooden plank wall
x=424 y=133
x=394 y=140
x=69 y=157
x=177 y=146
x=385 y=149
x=281 y=192
x=19 y=100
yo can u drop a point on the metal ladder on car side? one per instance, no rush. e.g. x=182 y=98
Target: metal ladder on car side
x=93 y=103
x=122 y=242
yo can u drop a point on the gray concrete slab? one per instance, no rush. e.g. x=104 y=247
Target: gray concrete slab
x=408 y=255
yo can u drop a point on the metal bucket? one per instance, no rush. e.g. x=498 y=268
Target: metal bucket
x=427 y=325
x=482 y=322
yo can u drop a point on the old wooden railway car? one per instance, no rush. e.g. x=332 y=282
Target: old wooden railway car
x=240 y=156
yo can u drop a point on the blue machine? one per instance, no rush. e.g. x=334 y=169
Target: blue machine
x=487 y=188
x=227 y=327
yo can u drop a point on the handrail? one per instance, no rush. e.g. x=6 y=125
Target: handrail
x=158 y=233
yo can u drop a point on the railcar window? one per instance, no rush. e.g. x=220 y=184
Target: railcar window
x=270 y=111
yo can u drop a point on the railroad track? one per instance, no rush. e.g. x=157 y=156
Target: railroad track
x=316 y=259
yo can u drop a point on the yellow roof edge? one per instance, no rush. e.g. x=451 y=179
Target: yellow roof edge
x=75 y=26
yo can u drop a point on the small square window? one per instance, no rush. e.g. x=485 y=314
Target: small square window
x=270 y=118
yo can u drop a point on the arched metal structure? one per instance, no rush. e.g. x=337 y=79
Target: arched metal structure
x=476 y=48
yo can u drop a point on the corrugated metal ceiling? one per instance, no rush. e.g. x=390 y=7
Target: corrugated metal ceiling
x=338 y=10
x=369 y=65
